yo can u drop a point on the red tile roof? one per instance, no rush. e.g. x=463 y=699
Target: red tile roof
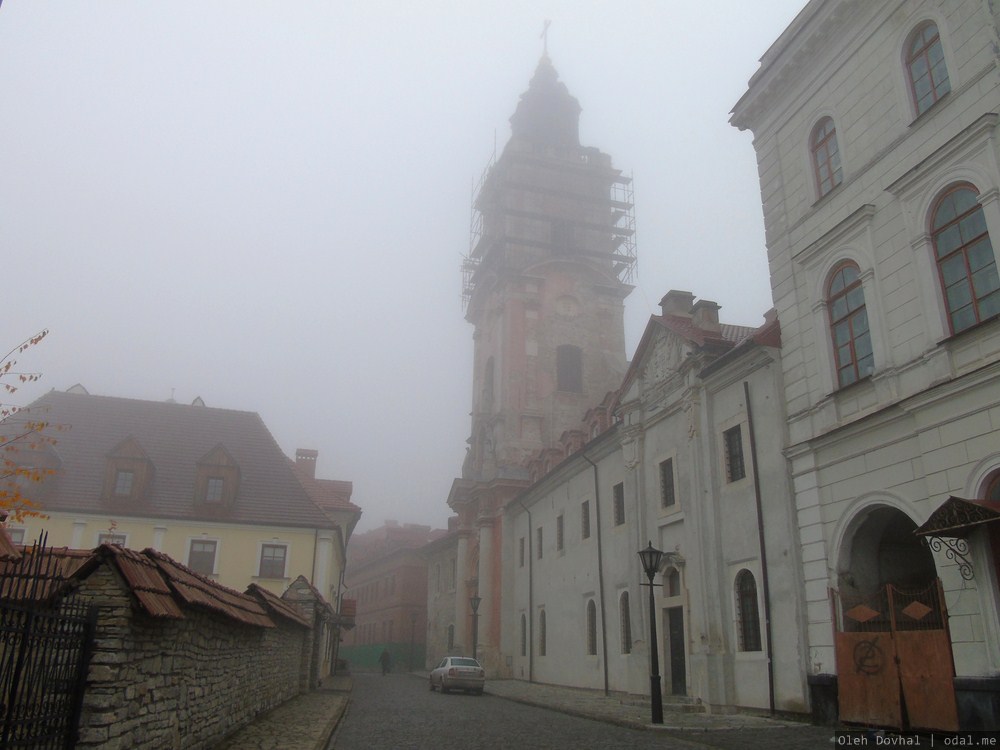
x=174 y=437
x=162 y=587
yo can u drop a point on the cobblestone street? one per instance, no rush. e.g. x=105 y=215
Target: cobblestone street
x=398 y=711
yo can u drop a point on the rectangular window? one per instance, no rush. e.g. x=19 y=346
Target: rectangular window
x=585 y=520
x=213 y=490
x=118 y=539
x=538 y=531
x=520 y=553
x=272 y=560
x=667 y=499
x=619 y=503
x=123 y=483
x=559 y=533
x=16 y=535
x=201 y=557
x=733 y=445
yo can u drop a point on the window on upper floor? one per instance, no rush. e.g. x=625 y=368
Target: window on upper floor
x=569 y=368
x=966 y=263
x=272 y=560
x=747 y=613
x=667 y=498
x=217 y=478
x=925 y=67
x=585 y=520
x=451 y=637
x=849 y=331
x=825 y=156
x=201 y=556
x=559 y=533
x=618 y=501
x=123 y=482
x=524 y=635
x=541 y=633
x=520 y=552
x=538 y=541
x=732 y=440
x=128 y=473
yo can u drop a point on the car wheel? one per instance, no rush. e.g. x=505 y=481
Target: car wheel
x=479 y=692
x=443 y=688
x=431 y=683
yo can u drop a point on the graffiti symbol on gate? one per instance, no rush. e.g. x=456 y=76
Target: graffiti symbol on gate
x=868 y=657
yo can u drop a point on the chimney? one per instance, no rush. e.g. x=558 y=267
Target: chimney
x=706 y=315
x=676 y=302
x=305 y=459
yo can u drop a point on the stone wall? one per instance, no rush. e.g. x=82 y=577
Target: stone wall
x=159 y=682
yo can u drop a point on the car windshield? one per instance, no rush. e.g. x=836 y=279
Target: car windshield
x=464 y=663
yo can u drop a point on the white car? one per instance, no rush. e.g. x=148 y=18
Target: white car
x=459 y=673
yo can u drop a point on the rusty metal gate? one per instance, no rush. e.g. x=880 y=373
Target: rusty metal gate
x=894 y=661
x=45 y=645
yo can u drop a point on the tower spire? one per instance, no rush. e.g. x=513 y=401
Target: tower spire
x=544 y=37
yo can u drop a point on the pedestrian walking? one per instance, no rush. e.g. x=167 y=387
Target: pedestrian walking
x=385 y=660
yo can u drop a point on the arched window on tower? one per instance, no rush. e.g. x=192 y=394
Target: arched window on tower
x=966 y=263
x=541 y=633
x=925 y=67
x=826 y=156
x=849 y=329
x=524 y=635
x=569 y=368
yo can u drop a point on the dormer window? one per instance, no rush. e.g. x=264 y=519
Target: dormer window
x=128 y=474
x=218 y=478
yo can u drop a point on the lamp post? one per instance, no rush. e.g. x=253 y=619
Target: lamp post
x=474 y=602
x=413 y=628
x=651 y=558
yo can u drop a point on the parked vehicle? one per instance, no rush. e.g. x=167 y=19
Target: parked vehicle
x=459 y=673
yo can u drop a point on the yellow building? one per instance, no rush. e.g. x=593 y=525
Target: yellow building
x=208 y=487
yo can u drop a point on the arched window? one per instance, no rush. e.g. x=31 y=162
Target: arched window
x=569 y=368
x=591 y=628
x=673 y=584
x=748 y=619
x=826 y=156
x=926 y=68
x=524 y=635
x=626 y=623
x=967 y=266
x=541 y=633
x=852 y=341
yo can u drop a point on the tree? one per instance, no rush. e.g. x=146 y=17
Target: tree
x=23 y=440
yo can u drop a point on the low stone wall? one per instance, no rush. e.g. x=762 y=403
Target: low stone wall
x=164 y=682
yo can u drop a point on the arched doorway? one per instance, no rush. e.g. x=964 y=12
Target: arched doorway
x=883 y=549
x=894 y=661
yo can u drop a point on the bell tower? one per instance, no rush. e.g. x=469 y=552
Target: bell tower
x=545 y=281
x=551 y=256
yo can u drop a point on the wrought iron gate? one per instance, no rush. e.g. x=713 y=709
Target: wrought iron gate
x=45 y=646
x=894 y=661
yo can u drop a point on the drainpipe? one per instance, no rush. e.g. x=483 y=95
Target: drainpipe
x=531 y=602
x=600 y=570
x=766 y=589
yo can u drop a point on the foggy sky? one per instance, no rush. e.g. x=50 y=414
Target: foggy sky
x=266 y=204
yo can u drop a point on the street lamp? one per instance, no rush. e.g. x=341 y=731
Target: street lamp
x=651 y=558
x=413 y=628
x=474 y=602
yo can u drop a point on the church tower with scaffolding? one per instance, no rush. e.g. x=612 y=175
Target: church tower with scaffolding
x=551 y=259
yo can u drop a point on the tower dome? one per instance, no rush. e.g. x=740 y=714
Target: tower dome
x=547 y=113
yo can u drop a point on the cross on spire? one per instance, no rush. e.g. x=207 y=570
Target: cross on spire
x=544 y=36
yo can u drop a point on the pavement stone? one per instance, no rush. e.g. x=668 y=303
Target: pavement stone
x=308 y=721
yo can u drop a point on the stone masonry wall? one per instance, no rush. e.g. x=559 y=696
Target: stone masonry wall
x=166 y=683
